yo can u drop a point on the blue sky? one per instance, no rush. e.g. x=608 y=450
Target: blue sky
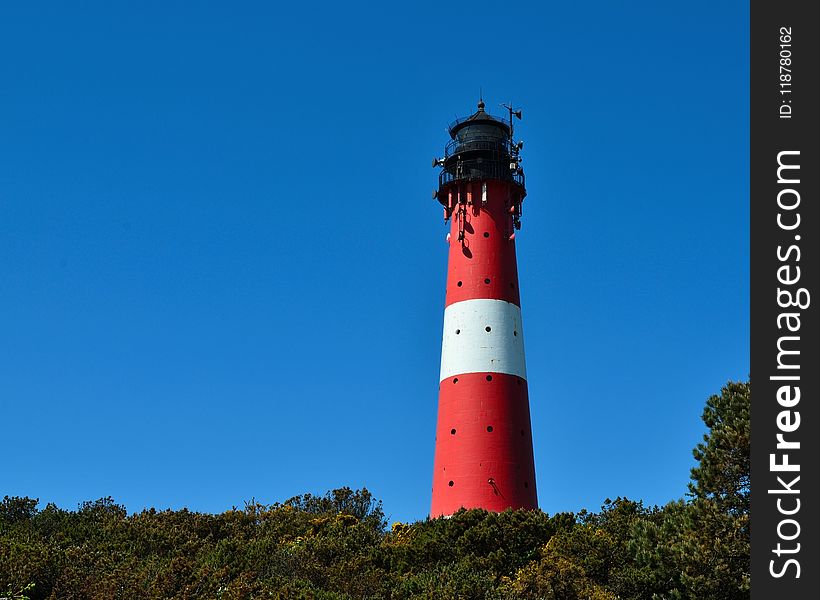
x=222 y=275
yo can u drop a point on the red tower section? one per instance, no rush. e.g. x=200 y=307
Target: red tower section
x=483 y=455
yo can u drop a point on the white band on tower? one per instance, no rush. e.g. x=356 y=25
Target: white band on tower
x=482 y=336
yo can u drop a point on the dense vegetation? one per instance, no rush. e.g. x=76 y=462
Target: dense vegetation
x=339 y=546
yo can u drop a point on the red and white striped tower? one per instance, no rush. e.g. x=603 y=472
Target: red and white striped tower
x=483 y=455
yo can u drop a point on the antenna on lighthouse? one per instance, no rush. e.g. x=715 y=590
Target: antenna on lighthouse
x=513 y=113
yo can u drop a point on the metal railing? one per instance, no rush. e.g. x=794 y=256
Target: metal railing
x=471 y=170
x=477 y=142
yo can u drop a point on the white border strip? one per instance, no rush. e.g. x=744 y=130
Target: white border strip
x=473 y=349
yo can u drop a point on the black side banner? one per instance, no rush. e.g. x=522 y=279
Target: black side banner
x=785 y=369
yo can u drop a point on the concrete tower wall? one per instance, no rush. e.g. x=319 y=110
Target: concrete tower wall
x=483 y=455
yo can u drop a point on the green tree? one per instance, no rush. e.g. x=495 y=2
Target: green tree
x=13 y=593
x=722 y=474
x=700 y=549
x=589 y=560
x=15 y=508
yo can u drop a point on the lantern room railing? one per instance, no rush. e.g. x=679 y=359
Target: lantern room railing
x=485 y=143
x=482 y=168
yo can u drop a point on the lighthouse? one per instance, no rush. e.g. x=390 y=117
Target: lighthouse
x=483 y=456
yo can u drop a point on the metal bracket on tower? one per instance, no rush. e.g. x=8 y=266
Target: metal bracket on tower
x=461 y=216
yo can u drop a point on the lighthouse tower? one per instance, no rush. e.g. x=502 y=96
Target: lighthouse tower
x=483 y=455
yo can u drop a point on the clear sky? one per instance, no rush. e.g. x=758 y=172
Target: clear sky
x=222 y=274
